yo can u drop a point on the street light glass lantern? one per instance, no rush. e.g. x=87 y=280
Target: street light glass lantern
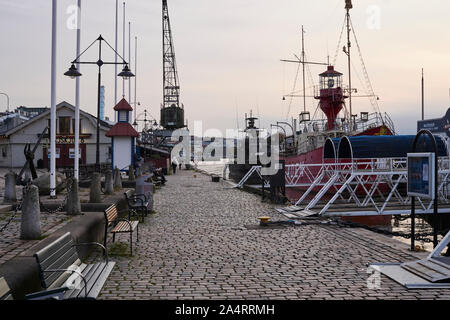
x=126 y=73
x=73 y=72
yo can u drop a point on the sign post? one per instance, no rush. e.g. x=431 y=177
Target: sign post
x=422 y=181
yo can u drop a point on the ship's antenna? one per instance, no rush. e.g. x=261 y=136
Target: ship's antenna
x=237 y=116
x=257 y=110
x=300 y=60
x=423 y=97
x=348 y=6
x=303 y=64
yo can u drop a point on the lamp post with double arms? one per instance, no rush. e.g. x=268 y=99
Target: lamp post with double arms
x=74 y=73
x=292 y=128
x=285 y=135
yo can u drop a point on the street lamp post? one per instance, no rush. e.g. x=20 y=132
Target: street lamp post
x=74 y=73
x=292 y=128
x=285 y=135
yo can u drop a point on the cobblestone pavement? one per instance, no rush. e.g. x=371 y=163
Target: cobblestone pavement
x=10 y=243
x=197 y=247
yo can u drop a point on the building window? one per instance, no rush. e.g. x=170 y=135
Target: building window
x=64 y=125
x=123 y=115
x=73 y=126
x=4 y=152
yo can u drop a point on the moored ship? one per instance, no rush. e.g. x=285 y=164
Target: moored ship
x=306 y=145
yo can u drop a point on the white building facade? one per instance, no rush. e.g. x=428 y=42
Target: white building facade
x=14 y=141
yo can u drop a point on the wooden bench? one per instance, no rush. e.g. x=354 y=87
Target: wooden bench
x=5 y=292
x=59 y=266
x=137 y=203
x=113 y=224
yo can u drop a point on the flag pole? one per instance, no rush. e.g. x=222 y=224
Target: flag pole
x=115 y=57
x=77 y=99
x=135 y=78
x=129 y=60
x=53 y=103
x=123 y=81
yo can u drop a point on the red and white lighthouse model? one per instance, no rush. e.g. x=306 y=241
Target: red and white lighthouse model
x=331 y=95
x=123 y=137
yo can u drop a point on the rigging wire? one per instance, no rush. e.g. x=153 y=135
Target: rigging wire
x=339 y=42
x=311 y=80
x=293 y=88
x=373 y=100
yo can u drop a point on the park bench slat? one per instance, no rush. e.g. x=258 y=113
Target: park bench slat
x=65 y=262
x=92 y=273
x=65 y=253
x=62 y=254
x=119 y=225
x=54 y=247
x=111 y=213
x=123 y=226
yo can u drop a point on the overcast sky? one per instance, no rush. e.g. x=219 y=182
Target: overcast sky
x=228 y=54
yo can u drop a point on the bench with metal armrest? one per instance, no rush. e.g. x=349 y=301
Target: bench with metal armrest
x=137 y=203
x=61 y=269
x=113 y=224
x=55 y=294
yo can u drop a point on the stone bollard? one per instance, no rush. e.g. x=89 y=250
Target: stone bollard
x=31 y=214
x=95 y=194
x=109 y=182
x=131 y=176
x=117 y=180
x=10 y=188
x=138 y=172
x=73 y=205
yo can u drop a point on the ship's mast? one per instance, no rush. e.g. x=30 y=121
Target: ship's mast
x=303 y=61
x=303 y=64
x=348 y=6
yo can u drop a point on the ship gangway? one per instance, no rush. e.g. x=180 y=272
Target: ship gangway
x=371 y=187
x=350 y=183
x=368 y=178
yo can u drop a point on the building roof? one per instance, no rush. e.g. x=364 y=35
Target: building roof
x=123 y=105
x=122 y=129
x=103 y=125
x=330 y=72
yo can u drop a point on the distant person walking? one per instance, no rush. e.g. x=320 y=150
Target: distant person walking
x=174 y=165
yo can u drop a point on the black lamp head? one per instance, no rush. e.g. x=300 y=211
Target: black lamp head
x=73 y=72
x=126 y=73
